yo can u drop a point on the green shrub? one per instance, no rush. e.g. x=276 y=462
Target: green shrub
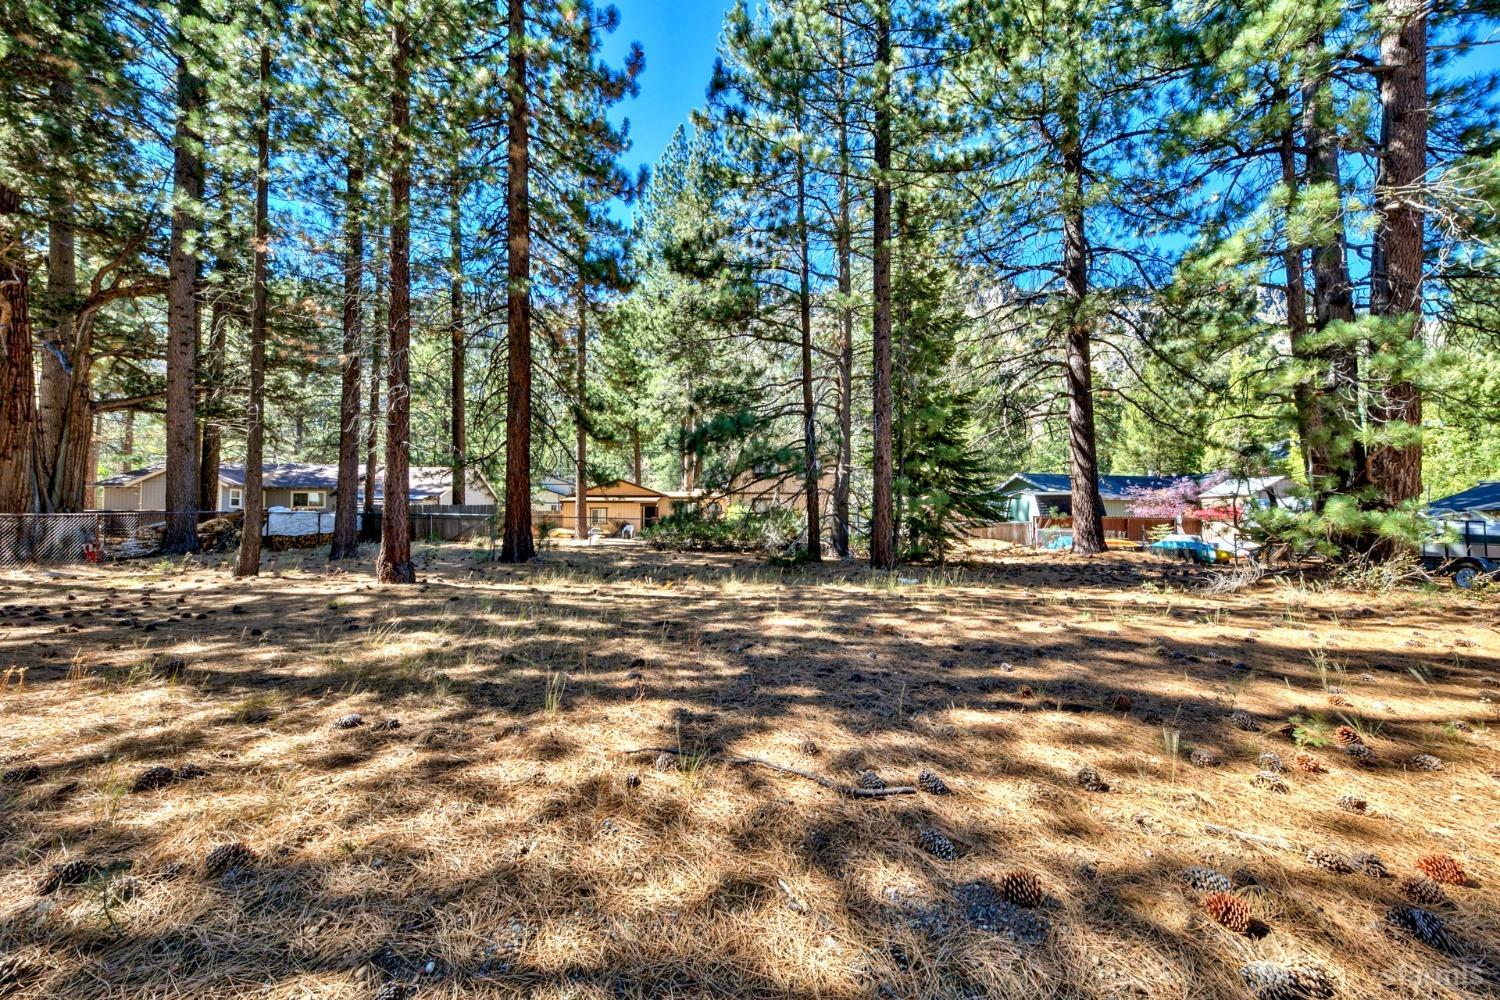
x=774 y=532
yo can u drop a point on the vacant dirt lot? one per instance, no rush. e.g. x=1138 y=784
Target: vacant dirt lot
x=501 y=841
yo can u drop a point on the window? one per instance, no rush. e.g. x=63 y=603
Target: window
x=598 y=515
x=307 y=498
x=236 y=499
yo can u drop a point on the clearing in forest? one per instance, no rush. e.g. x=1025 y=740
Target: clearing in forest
x=1132 y=789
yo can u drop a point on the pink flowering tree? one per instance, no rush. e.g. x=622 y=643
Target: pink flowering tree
x=1176 y=500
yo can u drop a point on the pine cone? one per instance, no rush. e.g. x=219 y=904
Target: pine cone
x=227 y=858
x=1025 y=691
x=1206 y=879
x=1120 y=703
x=387 y=725
x=1347 y=736
x=1269 y=780
x=1353 y=804
x=809 y=748
x=1307 y=763
x=1271 y=761
x=871 y=780
x=1460 y=726
x=1424 y=762
x=1338 y=701
x=1423 y=891
x=1089 y=779
x=931 y=783
x=1228 y=910
x=1443 y=868
x=23 y=775
x=937 y=845
x=1241 y=719
x=1424 y=925
x=75 y=872
x=665 y=761
x=1021 y=888
x=1329 y=860
x=1269 y=981
x=189 y=772
x=1360 y=752
x=1369 y=864
x=153 y=778
x=351 y=721
x=1203 y=758
x=395 y=991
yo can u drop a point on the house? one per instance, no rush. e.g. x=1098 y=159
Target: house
x=294 y=485
x=1251 y=491
x=614 y=507
x=433 y=485
x=1480 y=503
x=1044 y=494
x=550 y=492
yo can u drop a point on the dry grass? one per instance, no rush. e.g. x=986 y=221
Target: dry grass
x=497 y=844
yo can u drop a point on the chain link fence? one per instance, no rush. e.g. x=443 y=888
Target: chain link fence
x=87 y=537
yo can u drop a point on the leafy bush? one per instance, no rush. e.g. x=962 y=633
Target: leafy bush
x=738 y=530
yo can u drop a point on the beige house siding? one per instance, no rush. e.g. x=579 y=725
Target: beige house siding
x=283 y=498
x=120 y=498
x=154 y=493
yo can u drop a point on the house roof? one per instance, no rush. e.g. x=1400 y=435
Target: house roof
x=1248 y=487
x=1110 y=487
x=274 y=476
x=621 y=489
x=1484 y=496
x=427 y=481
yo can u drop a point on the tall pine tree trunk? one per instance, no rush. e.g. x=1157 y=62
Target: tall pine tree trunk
x=581 y=394
x=211 y=447
x=58 y=356
x=181 y=530
x=248 y=563
x=1083 y=444
x=1396 y=272
x=1333 y=298
x=843 y=472
x=369 y=532
x=882 y=523
x=810 y=470
x=456 y=347
x=17 y=396
x=345 y=543
x=1307 y=392
x=394 y=565
x=516 y=545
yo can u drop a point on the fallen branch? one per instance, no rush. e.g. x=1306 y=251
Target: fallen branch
x=1284 y=845
x=850 y=790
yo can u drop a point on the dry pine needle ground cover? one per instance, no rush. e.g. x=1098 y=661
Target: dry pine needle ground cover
x=1093 y=730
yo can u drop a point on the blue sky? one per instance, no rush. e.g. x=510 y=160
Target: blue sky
x=681 y=39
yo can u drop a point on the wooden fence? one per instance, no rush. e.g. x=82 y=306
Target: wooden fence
x=1136 y=529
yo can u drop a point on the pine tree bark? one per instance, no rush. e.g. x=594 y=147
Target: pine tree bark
x=17 y=396
x=59 y=359
x=1083 y=445
x=248 y=562
x=1398 y=259
x=516 y=544
x=345 y=544
x=882 y=523
x=394 y=565
x=180 y=533
x=456 y=348
x=810 y=471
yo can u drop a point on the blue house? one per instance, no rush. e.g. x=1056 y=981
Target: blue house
x=1046 y=494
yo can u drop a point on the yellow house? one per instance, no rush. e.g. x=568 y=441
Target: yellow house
x=618 y=508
